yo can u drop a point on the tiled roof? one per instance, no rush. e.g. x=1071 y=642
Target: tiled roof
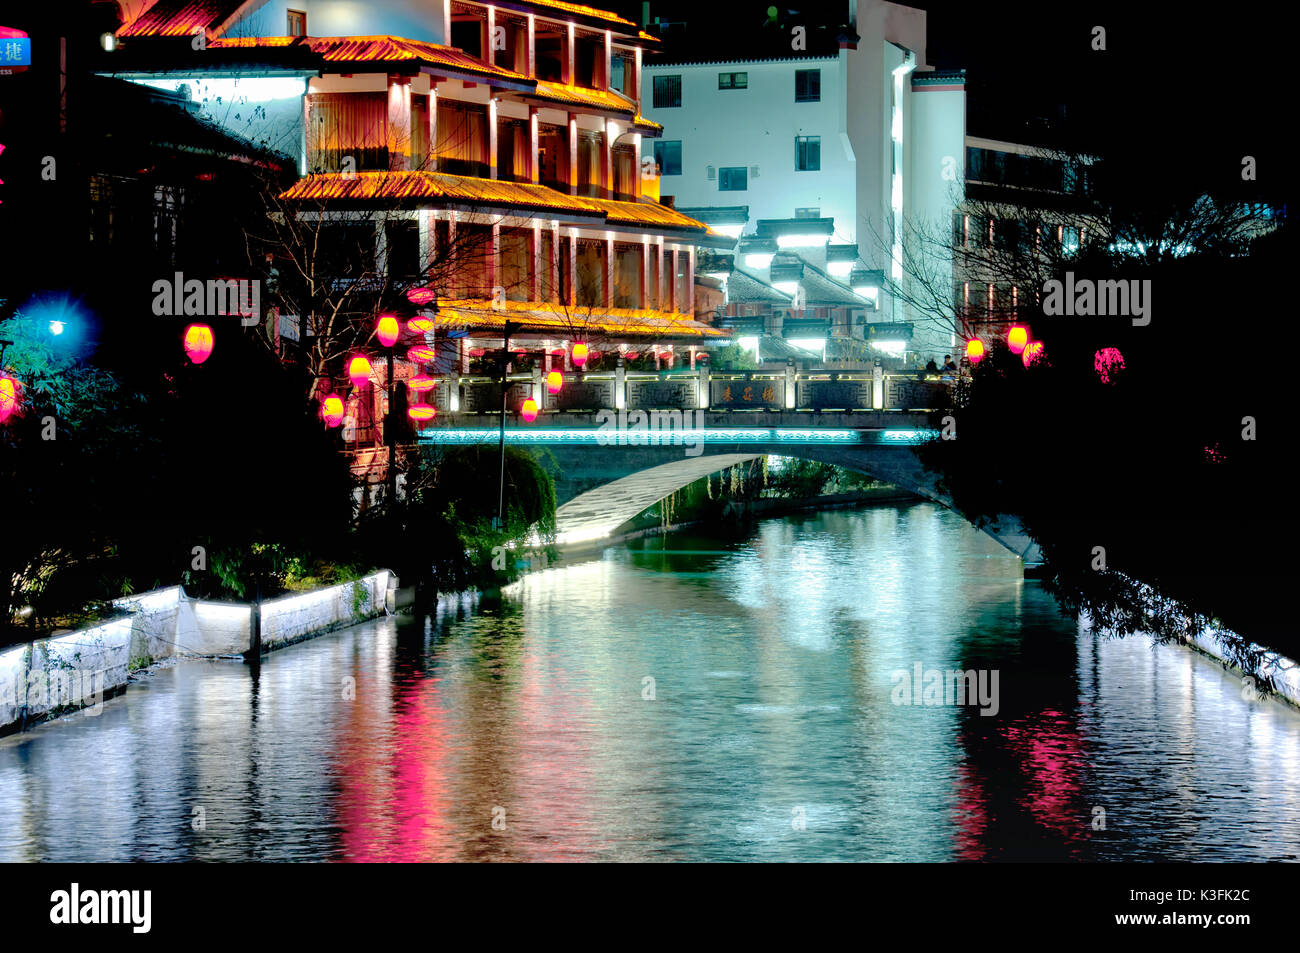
x=581 y=96
x=821 y=289
x=375 y=49
x=181 y=17
x=582 y=11
x=539 y=315
x=418 y=184
x=742 y=286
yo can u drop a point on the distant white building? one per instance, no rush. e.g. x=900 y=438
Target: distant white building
x=827 y=149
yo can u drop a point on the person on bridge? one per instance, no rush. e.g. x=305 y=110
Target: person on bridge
x=948 y=366
x=931 y=367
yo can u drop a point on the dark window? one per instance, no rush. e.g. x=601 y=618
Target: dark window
x=807 y=153
x=550 y=58
x=733 y=80
x=668 y=156
x=403 y=239
x=667 y=92
x=807 y=85
x=297 y=23
x=467 y=35
x=733 y=180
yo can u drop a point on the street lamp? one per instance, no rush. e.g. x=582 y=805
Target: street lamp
x=510 y=328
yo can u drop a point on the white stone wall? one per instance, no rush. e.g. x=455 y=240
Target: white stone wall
x=82 y=667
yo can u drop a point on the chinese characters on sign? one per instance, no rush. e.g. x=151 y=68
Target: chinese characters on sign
x=15 y=51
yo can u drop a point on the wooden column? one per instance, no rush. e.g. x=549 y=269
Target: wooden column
x=609 y=273
x=573 y=154
x=534 y=166
x=492 y=135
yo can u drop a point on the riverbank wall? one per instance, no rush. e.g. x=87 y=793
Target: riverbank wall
x=76 y=671
x=1277 y=674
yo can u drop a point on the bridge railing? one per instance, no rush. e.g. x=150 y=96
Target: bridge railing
x=739 y=391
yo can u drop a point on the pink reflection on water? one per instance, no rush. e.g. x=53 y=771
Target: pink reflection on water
x=1051 y=757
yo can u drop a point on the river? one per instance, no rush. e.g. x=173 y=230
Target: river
x=684 y=698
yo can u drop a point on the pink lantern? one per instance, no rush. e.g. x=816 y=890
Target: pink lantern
x=421 y=353
x=1017 y=338
x=1108 y=362
x=420 y=383
x=579 y=355
x=529 y=410
x=1033 y=351
x=331 y=409
x=359 y=370
x=388 y=330
x=420 y=296
x=8 y=397
x=421 y=412
x=554 y=381
x=975 y=350
x=420 y=325
x=198 y=342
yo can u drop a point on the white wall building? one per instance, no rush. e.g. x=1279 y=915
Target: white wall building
x=870 y=137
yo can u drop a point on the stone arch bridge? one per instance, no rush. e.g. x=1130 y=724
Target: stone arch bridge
x=614 y=465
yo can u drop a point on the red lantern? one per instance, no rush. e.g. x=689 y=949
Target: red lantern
x=420 y=325
x=198 y=342
x=975 y=350
x=421 y=353
x=388 y=330
x=331 y=409
x=420 y=383
x=421 y=412
x=1017 y=338
x=420 y=296
x=1033 y=351
x=554 y=381
x=359 y=370
x=529 y=410
x=8 y=397
x=579 y=355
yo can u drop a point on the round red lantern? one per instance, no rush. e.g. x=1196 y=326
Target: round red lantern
x=421 y=412
x=1033 y=351
x=421 y=353
x=579 y=355
x=359 y=370
x=529 y=410
x=198 y=342
x=420 y=296
x=554 y=381
x=388 y=330
x=331 y=409
x=1017 y=338
x=420 y=383
x=420 y=325
x=975 y=350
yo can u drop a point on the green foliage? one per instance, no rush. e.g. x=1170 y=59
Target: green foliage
x=733 y=356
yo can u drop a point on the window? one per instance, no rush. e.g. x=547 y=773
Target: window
x=807 y=153
x=667 y=92
x=733 y=180
x=668 y=156
x=807 y=213
x=297 y=23
x=807 y=85
x=733 y=80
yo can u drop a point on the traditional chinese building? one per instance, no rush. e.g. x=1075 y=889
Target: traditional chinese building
x=485 y=155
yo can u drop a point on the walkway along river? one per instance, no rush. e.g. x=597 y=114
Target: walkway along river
x=684 y=698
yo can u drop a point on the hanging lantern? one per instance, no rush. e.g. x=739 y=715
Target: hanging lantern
x=421 y=353
x=420 y=296
x=975 y=350
x=579 y=355
x=421 y=412
x=554 y=381
x=198 y=342
x=1033 y=351
x=331 y=409
x=359 y=370
x=1108 y=362
x=476 y=352
x=420 y=325
x=1017 y=338
x=529 y=410
x=8 y=397
x=388 y=330
x=421 y=382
